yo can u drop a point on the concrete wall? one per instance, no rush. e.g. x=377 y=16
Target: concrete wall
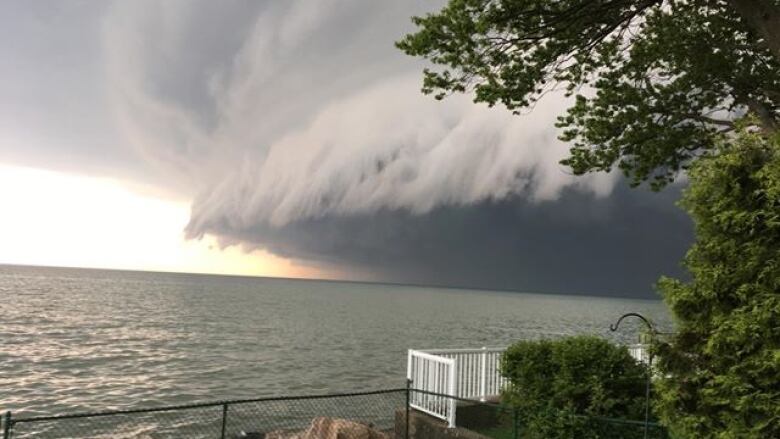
x=475 y=416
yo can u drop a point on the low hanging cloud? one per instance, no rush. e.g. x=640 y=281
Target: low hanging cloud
x=298 y=128
x=390 y=148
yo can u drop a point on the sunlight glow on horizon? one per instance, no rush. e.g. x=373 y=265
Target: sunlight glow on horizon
x=57 y=219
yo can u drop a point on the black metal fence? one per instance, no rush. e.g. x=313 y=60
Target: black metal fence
x=498 y=421
x=382 y=414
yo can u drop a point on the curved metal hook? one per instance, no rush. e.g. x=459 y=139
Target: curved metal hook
x=614 y=327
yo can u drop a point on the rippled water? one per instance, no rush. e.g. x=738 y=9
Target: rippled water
x=76 y=340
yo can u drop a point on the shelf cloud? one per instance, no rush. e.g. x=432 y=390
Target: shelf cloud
x=297 y=127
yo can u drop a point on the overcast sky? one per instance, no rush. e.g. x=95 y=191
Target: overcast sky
x=295 y=128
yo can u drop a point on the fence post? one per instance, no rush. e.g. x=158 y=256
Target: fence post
x=7 y=425
x=483 y=376
x=452 y=393
x=408 y=405
x=409 y=365
x=514 y=423
x=224 y=419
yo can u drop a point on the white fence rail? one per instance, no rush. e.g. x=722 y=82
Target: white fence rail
x=462 y=373
x=436 y=374
x=639 y=352
x=477 y=374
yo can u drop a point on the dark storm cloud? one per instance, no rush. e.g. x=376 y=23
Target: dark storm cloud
x=578 y=244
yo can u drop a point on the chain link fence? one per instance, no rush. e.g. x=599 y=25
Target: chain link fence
x=383 y=414
x=498 y=421
x=369 y=415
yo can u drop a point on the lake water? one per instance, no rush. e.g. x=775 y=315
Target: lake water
x=75 y=340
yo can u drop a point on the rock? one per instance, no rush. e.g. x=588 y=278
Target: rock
x=331 y=428
x=282 y=434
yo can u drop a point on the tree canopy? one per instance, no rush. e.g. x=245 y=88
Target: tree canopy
x=653 y=84
x=722 y=366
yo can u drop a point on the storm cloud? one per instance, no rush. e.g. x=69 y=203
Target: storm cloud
x=297 y=127
x=578 y=244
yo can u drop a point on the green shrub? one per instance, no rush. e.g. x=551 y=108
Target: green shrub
x=720 y=373
x=558 y=386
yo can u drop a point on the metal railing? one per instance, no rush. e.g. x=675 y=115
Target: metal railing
x=477 y=371
x=640 y=352
x=462 y=373
x=437 y=375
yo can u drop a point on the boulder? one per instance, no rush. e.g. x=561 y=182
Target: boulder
x=331 y=428
x=281 y=434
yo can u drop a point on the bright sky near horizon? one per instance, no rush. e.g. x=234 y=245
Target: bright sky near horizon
x=59 y=219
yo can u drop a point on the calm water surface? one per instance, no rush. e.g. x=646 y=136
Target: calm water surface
x=75 y=340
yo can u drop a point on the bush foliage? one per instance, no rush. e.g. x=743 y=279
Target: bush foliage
x=556 y=385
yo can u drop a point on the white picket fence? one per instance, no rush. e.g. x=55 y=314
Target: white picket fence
x=435 y=374
x=462 y=373
x=639 y=352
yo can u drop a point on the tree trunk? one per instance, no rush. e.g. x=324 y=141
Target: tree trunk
x=767 y=118
x=763 y=16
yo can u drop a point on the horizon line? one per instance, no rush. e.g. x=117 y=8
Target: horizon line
x=349 y=281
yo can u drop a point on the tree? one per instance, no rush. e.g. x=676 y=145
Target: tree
x=722 y=367
x=559 y=387
x=658 y=86
x=654 y=84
